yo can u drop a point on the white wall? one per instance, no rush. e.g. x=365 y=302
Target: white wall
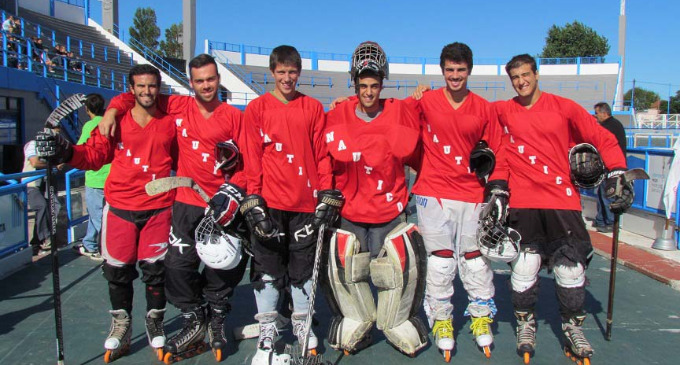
x=406 y=68
x=488 y=70
x=39 y=6
x=600 y=69
x=329 y=65
x=557 y=69
x=69 y=13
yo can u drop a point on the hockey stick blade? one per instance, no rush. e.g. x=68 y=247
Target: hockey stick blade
x=66 y=107
x=166 y=184
x=253 y=330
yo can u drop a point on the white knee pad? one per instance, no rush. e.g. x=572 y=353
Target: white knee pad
x=348 y=272
x=570 y=276
x=525 y=271
x=477 y=277
x=399 y=274
x=441 y=271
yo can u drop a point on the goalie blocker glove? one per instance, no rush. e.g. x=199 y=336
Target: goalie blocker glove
x=254 y=210
x=224 y=205
x=619 y=191
x=496 y=197
x=328 y=207
x=52 y=147
x=482 y=160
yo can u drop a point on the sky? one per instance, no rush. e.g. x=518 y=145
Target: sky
x=492 y=28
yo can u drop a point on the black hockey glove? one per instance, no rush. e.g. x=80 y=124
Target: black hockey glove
x=496 y=198
x=254 y=210
x=482 y=160
x=328 y=207
x=53 y=147
x=619 y=191
x=224 y=205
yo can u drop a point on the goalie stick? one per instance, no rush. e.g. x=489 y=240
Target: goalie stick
x=630 y=175
x=166 y=184
x=312 y=291
x=66 y=107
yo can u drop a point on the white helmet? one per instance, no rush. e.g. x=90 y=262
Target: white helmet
x=497 y=243
x=217 y=249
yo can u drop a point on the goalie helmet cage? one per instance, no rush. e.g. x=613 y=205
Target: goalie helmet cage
x=369 y=56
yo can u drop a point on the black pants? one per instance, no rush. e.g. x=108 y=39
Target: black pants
x=185 y=285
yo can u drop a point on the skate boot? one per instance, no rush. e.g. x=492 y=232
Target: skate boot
x=155 y=332
x=526 y=334
x=265 y=355
x=299 y=322
x=189 y=341
x=442 y=331
x=576 y=347
x=481 y=326
x=117 y=343
x=216 y=337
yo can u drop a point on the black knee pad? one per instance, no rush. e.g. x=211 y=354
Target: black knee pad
x=120 y=275
x=571 y=300
x=526 y=300
x=153 y=273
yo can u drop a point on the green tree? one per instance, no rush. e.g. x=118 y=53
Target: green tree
x=643 y=98
x=144 y=29
x=172 y=45
x=574 y=40
x=675 y=104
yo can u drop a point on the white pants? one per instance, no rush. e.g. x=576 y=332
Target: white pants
x=451 y=225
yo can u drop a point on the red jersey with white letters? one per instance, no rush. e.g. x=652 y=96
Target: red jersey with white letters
x=538 y=142
x=449 y=135
x=369 y=158
x=287 y=161
x=196 y=138
x=137 y=155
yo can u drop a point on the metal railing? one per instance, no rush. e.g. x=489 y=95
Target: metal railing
x=657 y=121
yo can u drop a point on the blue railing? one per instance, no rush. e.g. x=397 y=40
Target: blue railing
x=160 y=62
x=78 y=3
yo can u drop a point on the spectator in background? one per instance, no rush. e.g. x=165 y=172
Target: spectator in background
x=94 y=183
x=604 y=221
x=35 y=194
x=8 y=24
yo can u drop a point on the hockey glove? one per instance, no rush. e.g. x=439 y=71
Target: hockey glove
x=619 y=191
x=224 y=205
x=254 y=210
x=53 y=147
x=496 y=197
x=482 y=160
x=328 y=207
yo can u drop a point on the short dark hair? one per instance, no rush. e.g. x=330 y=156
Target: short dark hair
x=604 y=107
x=285 y=55
x=143 y=69
x=519 y=60
x=200 y=61
x=456 y=52
x=94 y=103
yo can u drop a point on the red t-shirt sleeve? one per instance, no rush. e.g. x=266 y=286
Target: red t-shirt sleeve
x=239 y=177
x=96 y=152
x=252 y=130
x=493 y=135
x=324 y=168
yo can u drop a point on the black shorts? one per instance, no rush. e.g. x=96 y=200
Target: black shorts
x=553 y=234
x=288 y=257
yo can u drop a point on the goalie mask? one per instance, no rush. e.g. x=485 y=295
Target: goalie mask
x=217 y=249
x=587 y=169
x=369 y=57
x=496 y=242
x=227 y=157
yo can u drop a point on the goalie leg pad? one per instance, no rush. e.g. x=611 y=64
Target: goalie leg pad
x=351 y=293
x=441 y=271
x=525 y=270
x=399 y=275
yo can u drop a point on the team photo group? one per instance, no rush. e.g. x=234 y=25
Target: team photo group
x=313 y=199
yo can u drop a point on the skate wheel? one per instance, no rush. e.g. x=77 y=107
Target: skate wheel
x=218 y=354
x=586 y=361
x=346 y=352
x=447 y=355
x=527 y=357
x=107 y=356
x=167 y=359
x=159 y=353
x=487 y=352
x=313 y=352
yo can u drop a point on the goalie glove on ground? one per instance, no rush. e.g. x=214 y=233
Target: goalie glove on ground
x=254 y=210
x=224 y=205
x=52 y=147
x=329 y=203
x=619 y=191
x=496 y=197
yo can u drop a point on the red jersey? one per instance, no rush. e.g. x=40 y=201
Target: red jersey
x=537 y=146
x=196 y=139
x=137 y=155
x=448 y=136
x=369 y=158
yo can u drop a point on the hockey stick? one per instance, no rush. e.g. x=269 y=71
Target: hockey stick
x=166 y=184
x=312 y=293
x=630 y=175
x=56 y=288
x=66 y=107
